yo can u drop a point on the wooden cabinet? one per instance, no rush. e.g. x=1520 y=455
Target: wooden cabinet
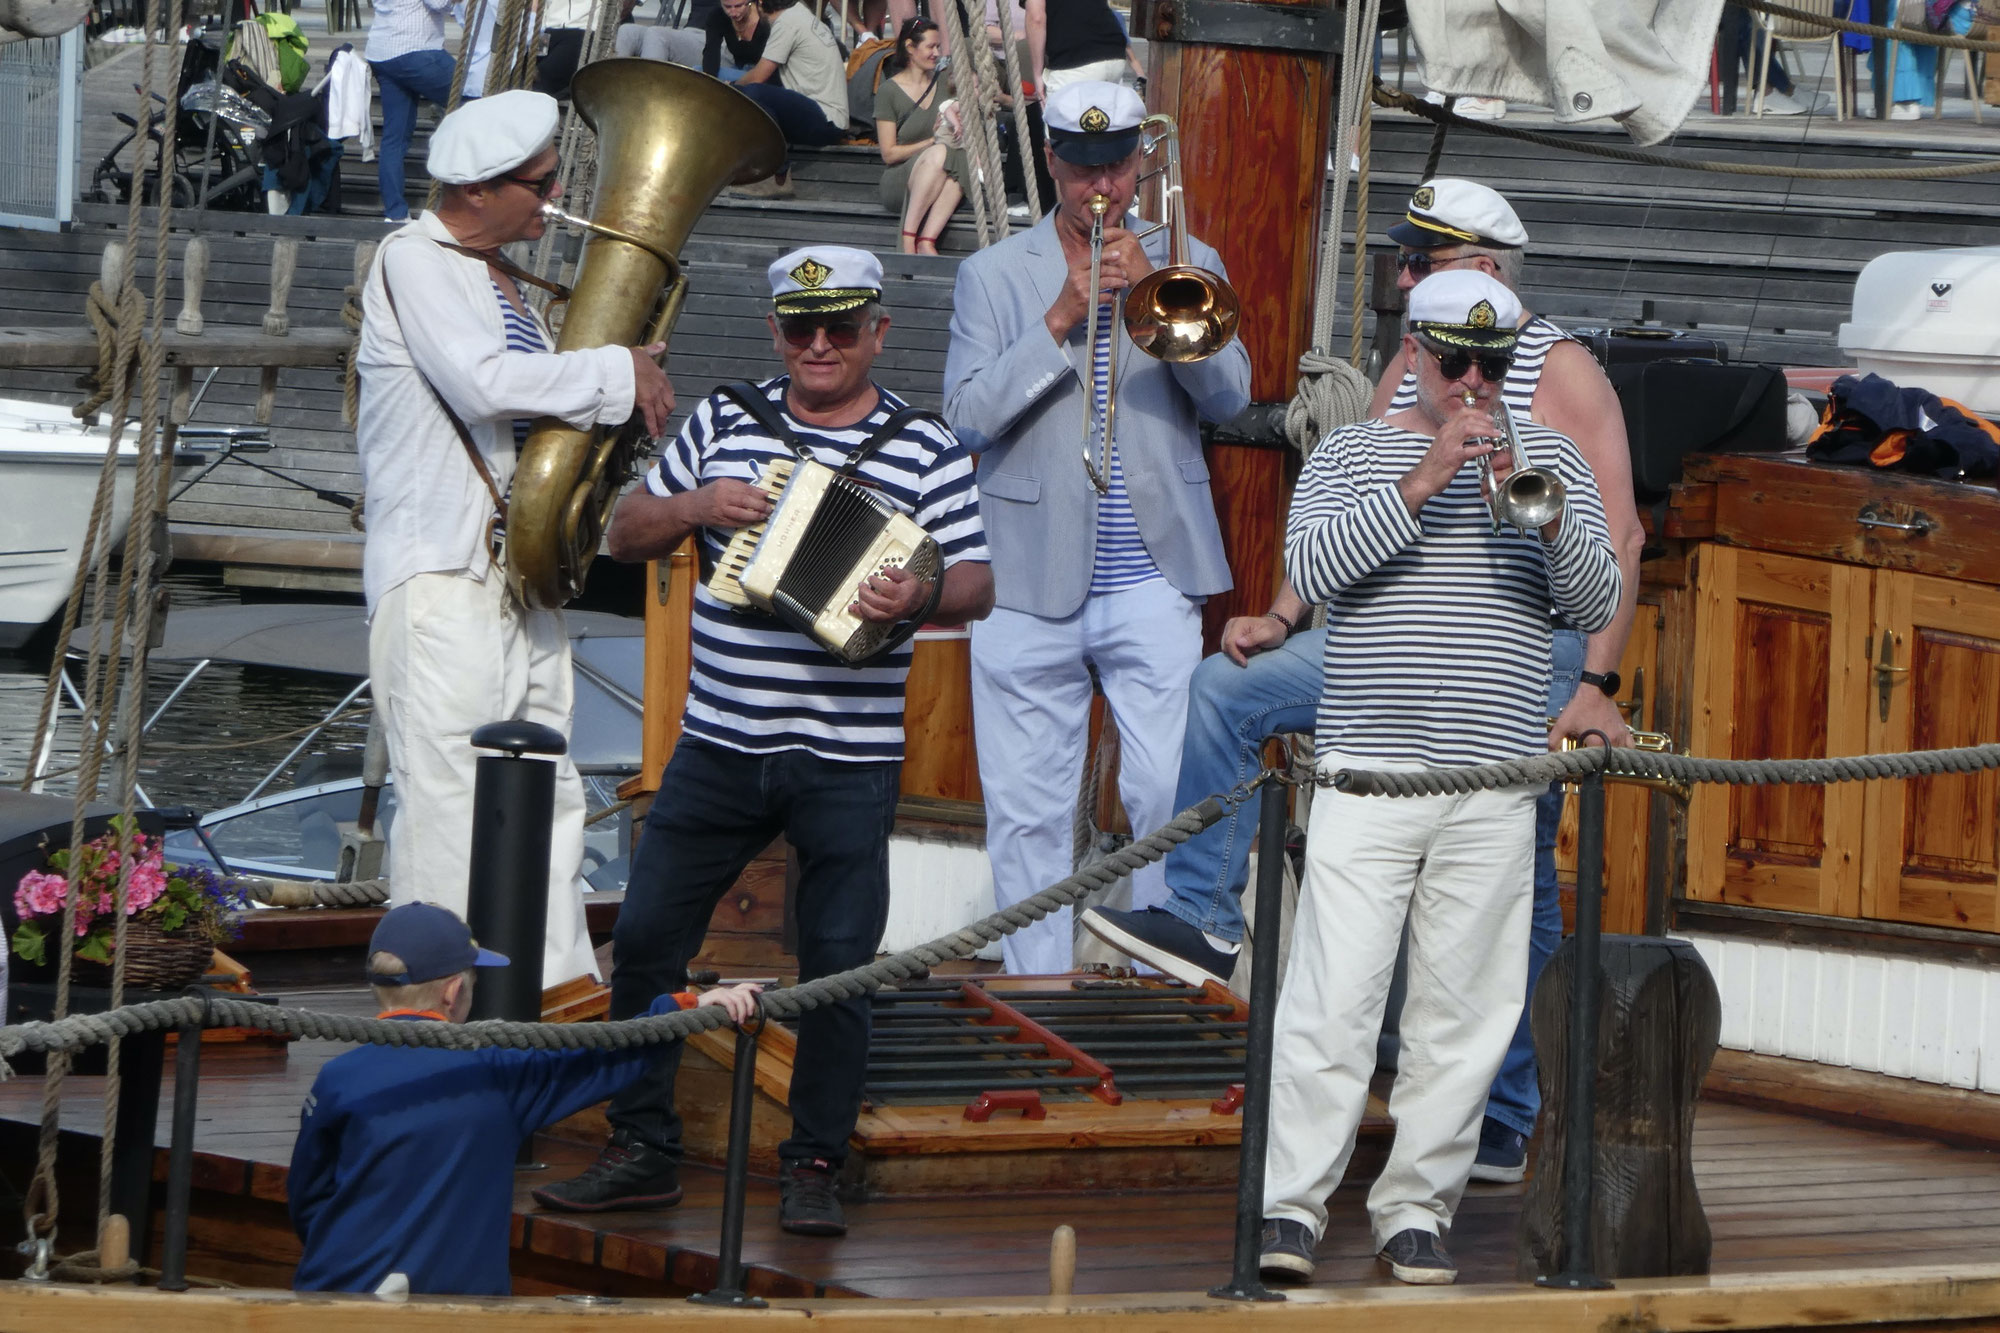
x=1808 y=638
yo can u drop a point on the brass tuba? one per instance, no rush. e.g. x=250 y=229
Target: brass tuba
x=668 y=140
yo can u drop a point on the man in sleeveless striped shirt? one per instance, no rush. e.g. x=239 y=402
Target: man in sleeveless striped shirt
x=453 y=364
x=1102 y=555
x=780 y=737
x=1437 y=653
x=1266 y=680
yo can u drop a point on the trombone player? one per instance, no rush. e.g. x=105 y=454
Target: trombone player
x=1096 y=501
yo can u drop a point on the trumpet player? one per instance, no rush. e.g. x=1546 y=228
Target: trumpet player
x=1437 y=653
x=1100 y=560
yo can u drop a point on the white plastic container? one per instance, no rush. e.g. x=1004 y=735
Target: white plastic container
x=1930 y=319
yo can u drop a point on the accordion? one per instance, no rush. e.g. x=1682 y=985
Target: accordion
x=826 y=535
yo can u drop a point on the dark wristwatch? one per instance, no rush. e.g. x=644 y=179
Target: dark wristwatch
x=1608 y=682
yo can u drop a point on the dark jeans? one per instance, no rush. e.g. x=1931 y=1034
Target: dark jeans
x=799 y=117
x=718 y=808
x=554 y=71
x=403 y=80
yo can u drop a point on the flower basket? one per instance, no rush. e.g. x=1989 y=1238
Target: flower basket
x=155 y=959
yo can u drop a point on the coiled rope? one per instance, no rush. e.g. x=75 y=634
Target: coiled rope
x=213 y=1010
x=1568 y=765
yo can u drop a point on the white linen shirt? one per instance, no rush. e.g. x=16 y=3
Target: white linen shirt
x=426 y=506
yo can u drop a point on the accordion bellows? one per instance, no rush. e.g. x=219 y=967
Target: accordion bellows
x=827 y=533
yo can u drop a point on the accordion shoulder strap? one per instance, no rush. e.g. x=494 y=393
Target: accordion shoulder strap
x=752 y=400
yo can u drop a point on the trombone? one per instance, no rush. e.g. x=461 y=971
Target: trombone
x=1175 y=313
x=1530 y=497
x=1653 y=742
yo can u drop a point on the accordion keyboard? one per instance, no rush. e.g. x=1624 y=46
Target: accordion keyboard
x=725 y=584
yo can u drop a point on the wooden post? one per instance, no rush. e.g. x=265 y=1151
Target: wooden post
x=194 y=275
x=277 y=324
x=1272 y=101
x=1062 y=1261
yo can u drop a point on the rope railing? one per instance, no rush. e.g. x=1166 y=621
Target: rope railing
x=1569 y=765
x=78 y=1031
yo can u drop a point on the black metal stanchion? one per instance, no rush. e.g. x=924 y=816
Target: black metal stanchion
x=1245 y=1284
x=1580 y=1133
x=180 y=1156
x=507 y=908
x=736 y=1179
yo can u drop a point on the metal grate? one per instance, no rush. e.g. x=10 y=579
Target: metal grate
x=40 y=106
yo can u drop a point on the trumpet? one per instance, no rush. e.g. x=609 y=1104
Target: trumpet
x=1175 y=313
x=1530 y=497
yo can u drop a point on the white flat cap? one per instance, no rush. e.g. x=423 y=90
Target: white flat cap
x=1448 y=211
x=1462 y=307
x=490 y=136
x=824 y=280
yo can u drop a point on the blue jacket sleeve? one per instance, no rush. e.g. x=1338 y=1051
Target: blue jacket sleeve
x=311 y=1180
x=992 y=375
x=545 y=1086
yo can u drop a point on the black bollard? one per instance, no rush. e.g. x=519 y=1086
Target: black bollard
x=736 y=1177
x=1245 y=1283
x=507 y=906
x=180 y=1156
x=1580 y=1134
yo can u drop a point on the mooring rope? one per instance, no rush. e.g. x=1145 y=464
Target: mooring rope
x=216 y=1010
x=1567 y=765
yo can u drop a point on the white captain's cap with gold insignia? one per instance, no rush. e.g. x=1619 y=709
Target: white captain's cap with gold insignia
x=1092 y=123
x=1448 y=211
x=1463 y=307
x=824 y=280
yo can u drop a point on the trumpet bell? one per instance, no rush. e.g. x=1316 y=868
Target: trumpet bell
x=1531 y=498
x=1181 y=313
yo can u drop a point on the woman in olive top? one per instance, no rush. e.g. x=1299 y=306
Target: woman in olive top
x=925 y=179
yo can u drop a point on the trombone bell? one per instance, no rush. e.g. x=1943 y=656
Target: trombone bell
x=1181 y=313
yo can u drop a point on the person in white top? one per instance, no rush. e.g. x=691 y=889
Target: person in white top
x=801 y=82
x=451 y=358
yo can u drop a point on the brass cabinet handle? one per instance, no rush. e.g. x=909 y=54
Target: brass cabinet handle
x=1886 y=672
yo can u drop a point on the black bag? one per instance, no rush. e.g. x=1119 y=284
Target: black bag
x=1676 y=408
x=1624 y=346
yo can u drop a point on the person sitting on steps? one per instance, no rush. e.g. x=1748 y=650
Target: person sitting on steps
x=801 y=82
x=925 y=179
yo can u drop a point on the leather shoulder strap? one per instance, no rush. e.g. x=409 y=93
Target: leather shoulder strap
x=464 y=436
x=752 y=400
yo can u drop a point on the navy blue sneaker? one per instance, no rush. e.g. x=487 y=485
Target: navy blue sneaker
x=1419 y=1258
x=1159 y=939
x=1503 y=1154
x=1287 y=1251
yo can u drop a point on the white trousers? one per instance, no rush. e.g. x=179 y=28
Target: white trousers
x=446 y=655
x=1461 y=869
x=681 y=46
x=1099 y=71
x=1031 y=722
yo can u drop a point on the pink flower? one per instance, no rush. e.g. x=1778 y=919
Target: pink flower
x=148 y=882
x=40 y=894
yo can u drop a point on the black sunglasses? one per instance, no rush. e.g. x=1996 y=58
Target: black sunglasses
x=543 y=186
x=799 y=330
x=1453 y=364
x=1419 y=263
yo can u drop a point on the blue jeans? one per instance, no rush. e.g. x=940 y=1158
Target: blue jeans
x=799 y=117
x=716 y=809
x=403 y=80
x=1231 y=709
x=1516 y=1098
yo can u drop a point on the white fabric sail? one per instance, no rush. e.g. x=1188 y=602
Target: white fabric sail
x=1639 y=62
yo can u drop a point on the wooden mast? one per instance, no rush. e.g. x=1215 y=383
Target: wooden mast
x=1251 y=85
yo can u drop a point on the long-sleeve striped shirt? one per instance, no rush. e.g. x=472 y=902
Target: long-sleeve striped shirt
x=1437 y=645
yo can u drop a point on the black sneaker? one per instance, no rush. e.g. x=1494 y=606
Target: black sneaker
x=626 y=1174
x=1419 y=1258
x=1503 y=1154
x=806 y=1202
x=1160 y=939
x=1287 y=1251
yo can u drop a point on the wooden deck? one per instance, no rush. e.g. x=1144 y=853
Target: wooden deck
x=1784 y=1194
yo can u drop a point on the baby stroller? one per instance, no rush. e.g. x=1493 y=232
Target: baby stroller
x=217 y=134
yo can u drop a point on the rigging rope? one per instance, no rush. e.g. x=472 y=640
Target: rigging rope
x=1024 y=142
x=1331 y=393
x=976 y=87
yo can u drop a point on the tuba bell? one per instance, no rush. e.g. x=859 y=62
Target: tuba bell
x=668 y=140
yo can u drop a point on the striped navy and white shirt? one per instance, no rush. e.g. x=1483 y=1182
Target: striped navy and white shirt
x=758 y=685
x=1437 y=645
x=1120 y=560
x=523 y=335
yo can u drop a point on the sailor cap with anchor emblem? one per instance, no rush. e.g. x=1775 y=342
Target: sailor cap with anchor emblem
x=1464 y=308
x=824 y=280
x=1092 y=123
x=1447 y=211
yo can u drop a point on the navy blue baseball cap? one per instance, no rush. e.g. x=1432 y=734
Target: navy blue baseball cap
x=431 y=941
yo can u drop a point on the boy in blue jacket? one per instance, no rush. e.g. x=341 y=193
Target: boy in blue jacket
x=405 y=1158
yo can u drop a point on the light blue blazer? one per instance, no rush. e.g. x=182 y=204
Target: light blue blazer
x=1016 y=398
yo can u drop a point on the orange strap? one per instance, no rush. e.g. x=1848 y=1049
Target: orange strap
x=415 y=1013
